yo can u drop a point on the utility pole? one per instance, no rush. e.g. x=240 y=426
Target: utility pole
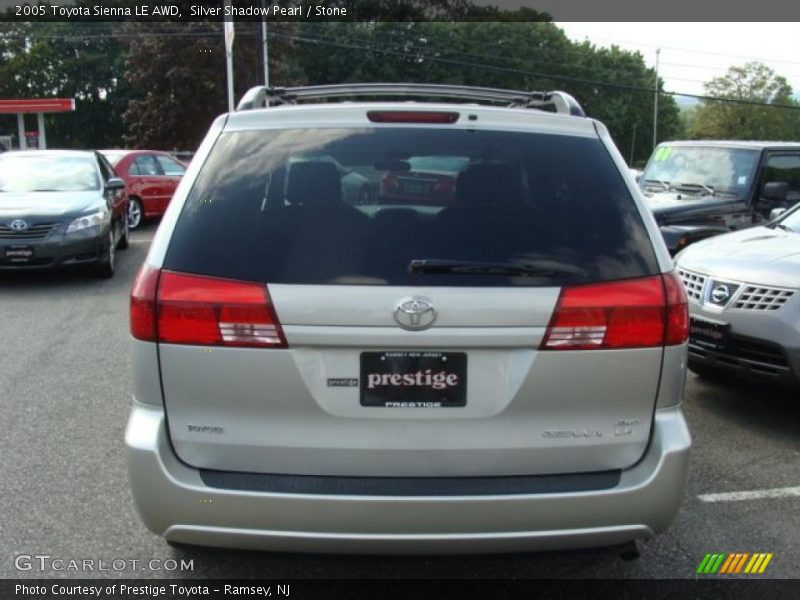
x=655 y=103
x=264 y=44
x=229 y=34
x=633 y=144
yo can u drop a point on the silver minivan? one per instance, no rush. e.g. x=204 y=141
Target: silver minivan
x=485 y=358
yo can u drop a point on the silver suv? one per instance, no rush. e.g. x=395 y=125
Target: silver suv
x=484 y=357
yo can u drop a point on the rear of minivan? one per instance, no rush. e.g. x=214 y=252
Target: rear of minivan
x=502 y=371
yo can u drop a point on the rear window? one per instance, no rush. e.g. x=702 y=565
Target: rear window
x=358 y=206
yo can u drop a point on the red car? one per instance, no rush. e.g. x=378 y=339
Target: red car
x=423 y=180
x=150 y=179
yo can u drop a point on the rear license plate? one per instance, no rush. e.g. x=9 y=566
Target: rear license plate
x=18 y=253
x=410 y=379
x=415 y=187
x=710 y=334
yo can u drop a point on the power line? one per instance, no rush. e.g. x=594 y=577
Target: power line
x=424 y=57
x=627 y=87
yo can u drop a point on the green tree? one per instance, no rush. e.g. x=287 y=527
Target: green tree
x=750 y=83
x=180 y=78
x=81 y=61
x=613 y=85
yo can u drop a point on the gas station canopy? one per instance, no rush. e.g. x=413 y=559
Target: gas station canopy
x=38 y=106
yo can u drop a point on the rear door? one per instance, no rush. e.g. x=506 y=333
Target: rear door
x=361 y=364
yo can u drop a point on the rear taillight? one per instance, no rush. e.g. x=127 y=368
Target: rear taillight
x=143 y=304
x=677 y=310
x=389 y=182
x=445 y=186
x=636 y=313
x=411 y=116
x=205 y=311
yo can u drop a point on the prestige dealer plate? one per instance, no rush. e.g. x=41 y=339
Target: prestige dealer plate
x=413 y=379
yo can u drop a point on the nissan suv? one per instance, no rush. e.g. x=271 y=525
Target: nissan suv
x=498 y=370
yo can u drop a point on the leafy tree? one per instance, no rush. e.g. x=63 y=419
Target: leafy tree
x=81 y=61
x=753 y=82
x=613 y=85
x=181 y=79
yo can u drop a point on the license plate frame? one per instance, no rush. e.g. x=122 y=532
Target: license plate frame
x=714 y=335
x=413 y=379
x=19 y=253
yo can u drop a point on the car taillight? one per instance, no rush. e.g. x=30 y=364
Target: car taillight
x=636 y=313
x=445 y=186
x=411 y=116
x=677 y=310
x=389 y=182
x=206 y=311
x=143 y=304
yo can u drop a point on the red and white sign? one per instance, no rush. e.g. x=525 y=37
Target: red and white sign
x=40 y=105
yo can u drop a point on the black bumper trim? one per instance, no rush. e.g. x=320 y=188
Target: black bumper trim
x=410 y=486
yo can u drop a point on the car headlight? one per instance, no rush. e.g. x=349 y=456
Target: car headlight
x=97 y=219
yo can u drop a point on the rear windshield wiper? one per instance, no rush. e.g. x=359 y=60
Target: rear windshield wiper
x=461 y=267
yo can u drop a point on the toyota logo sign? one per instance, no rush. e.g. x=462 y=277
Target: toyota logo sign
x=18 y=225
x=414 y=314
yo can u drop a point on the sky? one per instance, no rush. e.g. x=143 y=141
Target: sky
x=692 y=53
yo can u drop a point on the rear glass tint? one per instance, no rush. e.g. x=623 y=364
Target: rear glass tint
x=357 y=206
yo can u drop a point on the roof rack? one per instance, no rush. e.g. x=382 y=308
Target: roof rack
x=561 y=102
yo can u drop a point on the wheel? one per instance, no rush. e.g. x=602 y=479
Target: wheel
x=365 y=195
x=135 y=213
x=107 y=268
x=125 y=238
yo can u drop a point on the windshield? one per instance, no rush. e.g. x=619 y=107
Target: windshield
x=524 y=209
x=41 y=173
x=700 y=169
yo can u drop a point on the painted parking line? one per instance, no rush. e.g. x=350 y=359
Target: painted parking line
x=785 y=492
x=140 y=241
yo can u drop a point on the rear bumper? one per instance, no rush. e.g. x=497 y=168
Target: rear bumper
x=174 y=502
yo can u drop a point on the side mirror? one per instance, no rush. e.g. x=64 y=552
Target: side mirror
x=776 y=191
x=775 y=213
x=115 y=184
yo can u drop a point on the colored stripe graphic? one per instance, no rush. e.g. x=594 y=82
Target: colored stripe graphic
x=702 y=567
x=728 y=564
x=734 y=562
x=766 y=562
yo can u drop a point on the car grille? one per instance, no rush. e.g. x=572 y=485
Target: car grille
x=762 y=298
x=751 y=297
x=756 y=356
x=33 y=232
x=693 y=283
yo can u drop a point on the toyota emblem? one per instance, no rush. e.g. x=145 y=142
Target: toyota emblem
x=414 y=314
x=18 y=225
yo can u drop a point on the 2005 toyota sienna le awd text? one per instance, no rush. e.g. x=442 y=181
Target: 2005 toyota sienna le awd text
x=502 y=372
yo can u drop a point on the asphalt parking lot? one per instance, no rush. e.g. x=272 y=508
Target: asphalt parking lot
x=64 y=397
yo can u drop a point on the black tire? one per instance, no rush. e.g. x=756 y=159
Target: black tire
x=125 y=238
x=108 y=266
x=135 y=212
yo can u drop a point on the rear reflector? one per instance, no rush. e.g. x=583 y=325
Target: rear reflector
x=636 y=313
x=204 y=311
x=411 y=116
